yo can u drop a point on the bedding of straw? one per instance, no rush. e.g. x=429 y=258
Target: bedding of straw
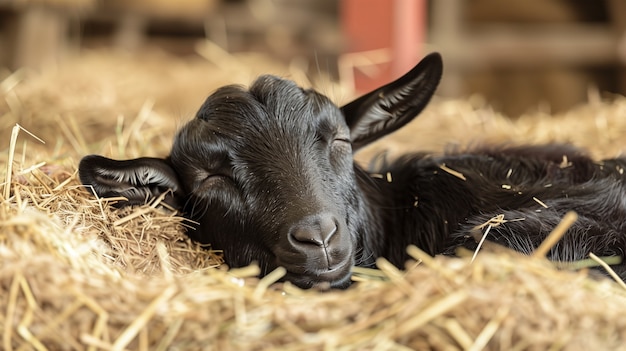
x=75 y=274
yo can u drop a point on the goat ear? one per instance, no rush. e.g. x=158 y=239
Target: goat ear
x=391 y=106
x=138 y=180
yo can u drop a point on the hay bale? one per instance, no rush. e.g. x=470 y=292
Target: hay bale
x=77 y=275
x=64 y=4
x=189 y=10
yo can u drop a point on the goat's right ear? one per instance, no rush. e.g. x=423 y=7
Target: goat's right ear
x=390 y=107
x=137 y=180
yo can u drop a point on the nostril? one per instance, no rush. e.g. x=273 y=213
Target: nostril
x=316 y=230
x=307 y=235
x=328 y=228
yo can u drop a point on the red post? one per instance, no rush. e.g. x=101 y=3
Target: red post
x=408 y=35
x=397 y=25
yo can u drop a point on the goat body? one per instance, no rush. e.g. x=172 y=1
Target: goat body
x=437 y=203
x=268 y=175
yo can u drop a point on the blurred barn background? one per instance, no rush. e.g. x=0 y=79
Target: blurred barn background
x=119 y=77
x=521 y=55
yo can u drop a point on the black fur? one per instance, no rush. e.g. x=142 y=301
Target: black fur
x=269 y=176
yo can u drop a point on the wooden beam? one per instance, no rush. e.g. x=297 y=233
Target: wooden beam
x=508 y=46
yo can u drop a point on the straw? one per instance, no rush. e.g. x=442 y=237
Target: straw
x=77 y=273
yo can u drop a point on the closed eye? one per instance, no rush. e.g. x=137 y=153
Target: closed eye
x=341 y=144
x=211 y=180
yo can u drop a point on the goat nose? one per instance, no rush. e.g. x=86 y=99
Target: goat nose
x=315 y=230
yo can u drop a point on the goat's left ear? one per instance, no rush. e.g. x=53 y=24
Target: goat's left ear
x=137 y=180
x=390 y=107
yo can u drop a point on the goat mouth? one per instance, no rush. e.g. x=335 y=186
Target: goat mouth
x=336 y=278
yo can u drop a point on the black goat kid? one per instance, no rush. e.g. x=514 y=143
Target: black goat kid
x=268 y=174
